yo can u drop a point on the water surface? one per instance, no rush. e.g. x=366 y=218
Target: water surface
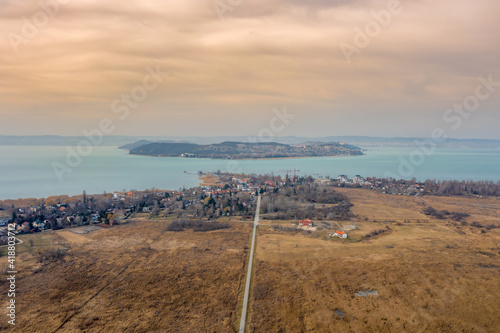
x=28 y=171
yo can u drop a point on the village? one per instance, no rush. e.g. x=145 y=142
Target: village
x=293 y=198
x=232 y=195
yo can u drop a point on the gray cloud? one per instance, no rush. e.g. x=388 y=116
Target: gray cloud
x=264 y=54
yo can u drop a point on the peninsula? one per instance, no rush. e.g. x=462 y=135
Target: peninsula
x=241 y=150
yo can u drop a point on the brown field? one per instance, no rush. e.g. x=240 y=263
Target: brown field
x=484 y=210
x=132 y=278
x=430 y=276
x=377 y=206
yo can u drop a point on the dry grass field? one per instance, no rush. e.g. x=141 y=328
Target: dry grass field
x=132 y=278
x=377 y=206
x=209 y=180
x=483 y=210
x=430 y=275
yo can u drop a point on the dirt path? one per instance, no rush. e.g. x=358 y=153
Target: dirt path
x=249 y=271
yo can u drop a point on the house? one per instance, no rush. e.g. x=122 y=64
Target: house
x=39 y=224
x=306 y=223
x=25 y=227
x=358 y=179
x=119 y=213
x=343 y=179
x=339 y=234
x=59 y=222
x=49 y=224
x=35 y=209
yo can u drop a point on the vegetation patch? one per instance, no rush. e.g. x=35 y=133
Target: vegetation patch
x=308 y=200
x=51 y=255
x=377 y=232
x=181 y=225
x=456 y=216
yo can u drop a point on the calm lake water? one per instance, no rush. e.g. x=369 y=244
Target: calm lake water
x=27 y=172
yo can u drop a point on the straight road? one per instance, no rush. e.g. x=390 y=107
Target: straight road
x=249 y=271
x=425 y=203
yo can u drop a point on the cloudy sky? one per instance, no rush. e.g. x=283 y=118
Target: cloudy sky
x=227 y=64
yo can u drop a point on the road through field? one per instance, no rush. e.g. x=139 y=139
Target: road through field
x=249 y=271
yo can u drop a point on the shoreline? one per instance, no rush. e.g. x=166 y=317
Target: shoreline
x=246 y=158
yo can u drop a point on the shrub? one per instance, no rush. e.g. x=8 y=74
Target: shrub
x=277 y=227
x=477 y=224
x=181 y=225
x=457 y=216
x=432 y=212
x=51 y=255
x=377 y=232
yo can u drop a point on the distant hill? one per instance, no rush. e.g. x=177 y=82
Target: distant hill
x=240 y=150
x=122 y=141
x=140 y=143
x=136 y=144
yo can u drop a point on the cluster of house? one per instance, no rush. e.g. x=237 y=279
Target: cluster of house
x=381 y=184
x=245 y=185
x=343 y=179
x=112 y=214
x=240 y=185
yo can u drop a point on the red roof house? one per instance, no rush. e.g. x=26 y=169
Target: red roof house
x=340 y=234
x=306 y=223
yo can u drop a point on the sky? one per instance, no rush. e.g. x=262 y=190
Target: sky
x=244 y=67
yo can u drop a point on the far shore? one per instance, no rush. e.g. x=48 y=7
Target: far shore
x=247 y=158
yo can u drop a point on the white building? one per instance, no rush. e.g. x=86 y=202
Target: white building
x=358 y=179
x=343 y=179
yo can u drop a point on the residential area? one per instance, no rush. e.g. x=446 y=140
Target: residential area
x=284 y=198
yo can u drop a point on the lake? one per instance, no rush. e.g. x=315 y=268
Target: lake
x=27 y=171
